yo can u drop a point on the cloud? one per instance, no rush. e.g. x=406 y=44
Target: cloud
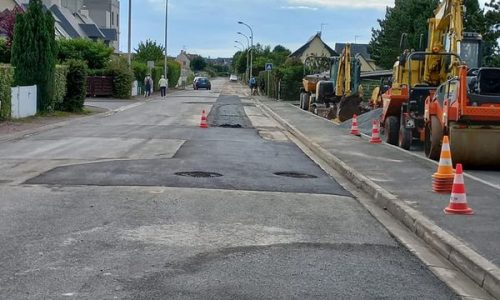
x=357 y=4
x=301 y=7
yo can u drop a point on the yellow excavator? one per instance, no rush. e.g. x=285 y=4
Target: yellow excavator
x=418 y=74
x=340 y=95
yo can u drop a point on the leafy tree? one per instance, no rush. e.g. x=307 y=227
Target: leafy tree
x=407 y=16
x=492 y=16
x=7 y=23
x=239 y=63
x=34 y=52
x=95 y=53
x=174 y=72
x=198 y=63
x=149 y=51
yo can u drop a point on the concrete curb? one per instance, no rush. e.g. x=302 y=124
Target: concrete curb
x=479 y=269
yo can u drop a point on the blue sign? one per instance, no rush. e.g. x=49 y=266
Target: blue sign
x=269 y=67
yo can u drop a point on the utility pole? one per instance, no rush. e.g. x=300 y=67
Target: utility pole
x=130 y=33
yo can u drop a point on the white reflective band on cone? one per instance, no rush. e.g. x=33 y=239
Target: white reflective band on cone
x=458 y=198
x=445 y=162
x=459 y=179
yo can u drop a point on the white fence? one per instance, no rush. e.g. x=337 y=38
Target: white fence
x=135 y=88
x=23 y=101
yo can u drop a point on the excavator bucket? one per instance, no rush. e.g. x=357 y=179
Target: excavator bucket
x=348 y=106
x=476 y=146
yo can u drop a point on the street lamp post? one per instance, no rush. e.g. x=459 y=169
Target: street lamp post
x=130 y=33
x=246 y=71
x=251 y=49
x=248 y=47
x=166 y=39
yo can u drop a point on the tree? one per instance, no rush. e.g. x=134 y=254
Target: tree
x=7 y=23
x=198 y=63
x=34 y=52
x=95 y=53
x=149 y=51
x=492 y=34
x=407 y=16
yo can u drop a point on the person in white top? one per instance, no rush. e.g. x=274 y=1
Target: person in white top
x=163 y=83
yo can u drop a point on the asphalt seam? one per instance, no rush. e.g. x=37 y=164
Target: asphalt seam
x=478 y=268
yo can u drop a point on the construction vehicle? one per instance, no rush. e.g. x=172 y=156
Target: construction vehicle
x=318 y=66
x=417 y=74
x=467 y=109
x=338 y=97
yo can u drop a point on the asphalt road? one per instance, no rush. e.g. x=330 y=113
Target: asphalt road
x=98 y=210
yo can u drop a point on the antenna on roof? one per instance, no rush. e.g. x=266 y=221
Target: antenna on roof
x=322 y=26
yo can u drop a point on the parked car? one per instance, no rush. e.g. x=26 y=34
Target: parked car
x=233 y=77
x=194 y=81
x=202 y=83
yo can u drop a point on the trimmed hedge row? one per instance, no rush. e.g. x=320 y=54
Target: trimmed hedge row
x=60 y=86
x=6 y=81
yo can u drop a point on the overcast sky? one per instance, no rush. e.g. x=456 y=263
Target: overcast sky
x=208 y=27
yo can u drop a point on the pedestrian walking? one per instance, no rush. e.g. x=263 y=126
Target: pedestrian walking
x=147 y=86
x=163 y=83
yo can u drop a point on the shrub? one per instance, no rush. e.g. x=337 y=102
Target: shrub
x=34 y=53
x=6 y=80
x=140 y=70
x=122 y=77
x=4 y=51
x=174 y=72
x=60 y=85
x=95 y=53
x=156 y=73
x=77 y=85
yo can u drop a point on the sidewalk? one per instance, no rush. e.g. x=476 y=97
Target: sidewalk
x=401 y=183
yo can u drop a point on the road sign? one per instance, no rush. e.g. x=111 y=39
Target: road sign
x=269 y=67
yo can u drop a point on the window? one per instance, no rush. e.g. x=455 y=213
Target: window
x=112 y=18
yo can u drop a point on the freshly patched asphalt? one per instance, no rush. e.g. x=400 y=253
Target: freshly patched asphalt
x=249 y=163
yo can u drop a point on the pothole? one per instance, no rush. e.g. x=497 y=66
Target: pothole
x=231 y=125
x=295 y=175
x=198 y=174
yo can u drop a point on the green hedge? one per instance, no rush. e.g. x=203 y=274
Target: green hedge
x=174 y=73
x=60 y=85
x=77 y=85
x=6 y=81
x=156 y=73
x=122 y=77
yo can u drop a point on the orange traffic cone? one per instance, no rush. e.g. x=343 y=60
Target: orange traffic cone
x=354 y=126
x=442 y=180
x=375 y=133
x=203 y=123
x=458 y=200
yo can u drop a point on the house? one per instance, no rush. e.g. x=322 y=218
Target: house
x=184 y=59
x=314 y=47
x=106 y=14
x=360 y=51
x=73 y=19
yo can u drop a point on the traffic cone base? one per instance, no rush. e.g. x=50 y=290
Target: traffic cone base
x=375 y=139
x=354 y=126
x=442 y=180
x=203 y=123
x=458 y=199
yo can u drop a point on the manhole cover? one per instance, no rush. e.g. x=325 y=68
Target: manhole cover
x=198 y=174
x=295 y=175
